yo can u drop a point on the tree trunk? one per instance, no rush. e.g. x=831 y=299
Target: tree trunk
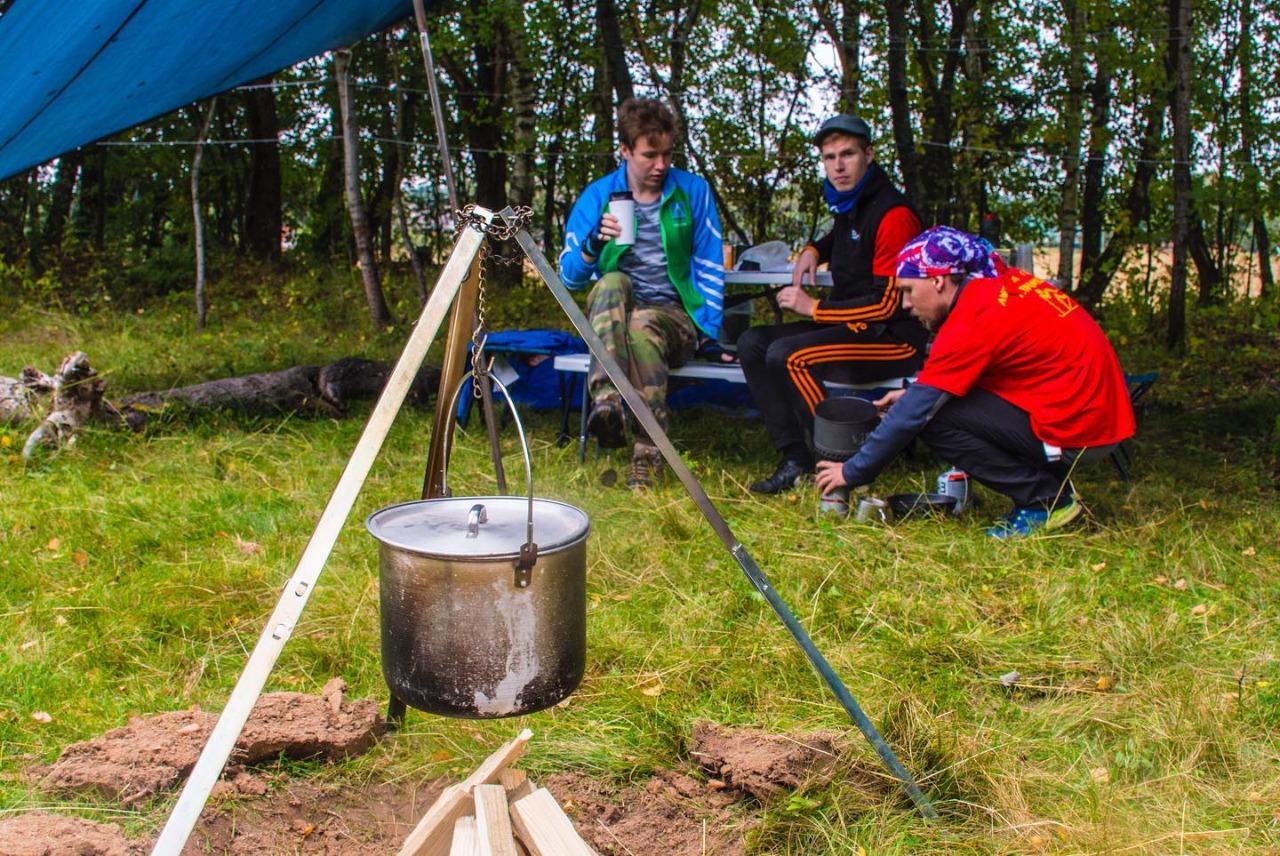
x=382 y=205
x=524 y=100
x=938 y=111
x=1207 y=269
x=1097 y=276
x=683 y=22
x=1072 y=109
x=405 y=113
x=900 y=103
x=616 y=70
x=1179 y=63
x=378 y=311
x=264 y=220
x=90 y=217
x=845 y=31
x=31 y=222
x=322 y=390
x=197 y=216
x=1252 y=175
x=1095 y=167
x=64 y=186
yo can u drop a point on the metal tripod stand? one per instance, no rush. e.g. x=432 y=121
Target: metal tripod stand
x=459 y=274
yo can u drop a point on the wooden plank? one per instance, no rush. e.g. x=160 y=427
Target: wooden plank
x=432 y=835
x=544 y=828
x=465 y=842
x=493 y=822
x=512 y=777
x=517 y=783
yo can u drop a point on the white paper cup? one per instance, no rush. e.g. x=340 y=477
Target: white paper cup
x=622 y=206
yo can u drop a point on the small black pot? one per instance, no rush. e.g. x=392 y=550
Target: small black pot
x=905 y=504
x=840 y=425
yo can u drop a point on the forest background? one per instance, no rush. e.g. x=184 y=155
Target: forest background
x=1107 y=131
x=1133 y=142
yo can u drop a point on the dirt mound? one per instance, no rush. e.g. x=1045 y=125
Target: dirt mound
x=764 y=765
x=44 y=834
x=686 y=817
x=155 y=753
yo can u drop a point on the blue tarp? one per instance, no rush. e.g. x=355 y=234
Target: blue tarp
x=71 y=73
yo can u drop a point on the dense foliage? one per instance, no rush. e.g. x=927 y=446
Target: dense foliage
x=1054 y=117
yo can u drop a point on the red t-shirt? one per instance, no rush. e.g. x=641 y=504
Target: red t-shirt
x=1031 y=344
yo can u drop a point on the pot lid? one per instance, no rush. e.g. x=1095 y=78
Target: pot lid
x=447 y=528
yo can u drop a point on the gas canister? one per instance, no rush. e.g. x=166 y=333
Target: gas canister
x=955 y=483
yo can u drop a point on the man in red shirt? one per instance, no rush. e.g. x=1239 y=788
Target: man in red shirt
x=1019 y=386
x=859 y=328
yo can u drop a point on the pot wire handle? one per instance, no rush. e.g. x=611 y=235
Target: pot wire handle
x=529 y=551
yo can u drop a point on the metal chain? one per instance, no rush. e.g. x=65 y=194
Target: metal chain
x=479 y=333
x=500 y=229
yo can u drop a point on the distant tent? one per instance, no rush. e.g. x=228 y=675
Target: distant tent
x=71 y=73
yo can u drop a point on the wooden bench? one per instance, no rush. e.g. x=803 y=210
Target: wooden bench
x=695 y=370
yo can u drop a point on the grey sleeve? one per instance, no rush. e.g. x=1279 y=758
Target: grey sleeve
x=901 y=424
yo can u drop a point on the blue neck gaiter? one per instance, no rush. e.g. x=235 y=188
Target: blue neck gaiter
x=841 y=201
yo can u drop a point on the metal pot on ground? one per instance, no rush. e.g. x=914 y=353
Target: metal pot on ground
x=840 y=425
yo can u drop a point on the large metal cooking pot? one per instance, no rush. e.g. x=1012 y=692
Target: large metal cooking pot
x=465 y=631
x=484 y=605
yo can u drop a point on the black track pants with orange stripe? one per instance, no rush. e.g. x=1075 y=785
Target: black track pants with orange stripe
x=784 y=365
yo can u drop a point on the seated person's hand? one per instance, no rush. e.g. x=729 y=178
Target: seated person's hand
x=713 y=352
x=806 y=266
x=606 y=230
x=793 y=297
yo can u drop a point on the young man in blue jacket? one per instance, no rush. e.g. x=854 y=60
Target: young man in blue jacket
x=655 y=300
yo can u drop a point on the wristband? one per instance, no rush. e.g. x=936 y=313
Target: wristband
x=592 y=245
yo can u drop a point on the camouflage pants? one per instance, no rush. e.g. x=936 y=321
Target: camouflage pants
x=645 y=340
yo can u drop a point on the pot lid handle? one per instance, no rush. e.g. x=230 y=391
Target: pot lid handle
x=528 y=552
x=478 y=514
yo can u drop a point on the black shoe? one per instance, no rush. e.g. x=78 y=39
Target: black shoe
x=785 y=477
x=608 y=424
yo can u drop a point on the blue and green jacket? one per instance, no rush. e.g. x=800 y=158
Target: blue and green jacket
x=690 y=237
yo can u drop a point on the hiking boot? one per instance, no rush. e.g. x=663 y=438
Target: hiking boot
x=646 y=463
x=1028 y=520
x=785 y=477
x=608 y=423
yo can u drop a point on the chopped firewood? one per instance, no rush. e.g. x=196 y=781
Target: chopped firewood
x=517 y=784
x=432 y=835
x=464 y=838
x=493 y=821
x=545 y=829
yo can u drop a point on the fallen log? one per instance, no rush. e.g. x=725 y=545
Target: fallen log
x=78 y=395
x=313 y=390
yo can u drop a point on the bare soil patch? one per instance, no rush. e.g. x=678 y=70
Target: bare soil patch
x=256 y=810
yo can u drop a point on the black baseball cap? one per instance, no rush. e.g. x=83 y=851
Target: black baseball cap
x=844 y=123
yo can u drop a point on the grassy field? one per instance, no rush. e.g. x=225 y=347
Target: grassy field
x=136 y=571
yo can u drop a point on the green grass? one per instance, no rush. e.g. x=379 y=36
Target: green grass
x=136 y=571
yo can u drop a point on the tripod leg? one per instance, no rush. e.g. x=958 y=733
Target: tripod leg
x=294 y=599
x=740 y=555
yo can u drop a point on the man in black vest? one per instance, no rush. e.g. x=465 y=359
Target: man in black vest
x=859 y=330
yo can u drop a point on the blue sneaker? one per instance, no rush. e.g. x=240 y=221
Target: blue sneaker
x=1028 y=520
